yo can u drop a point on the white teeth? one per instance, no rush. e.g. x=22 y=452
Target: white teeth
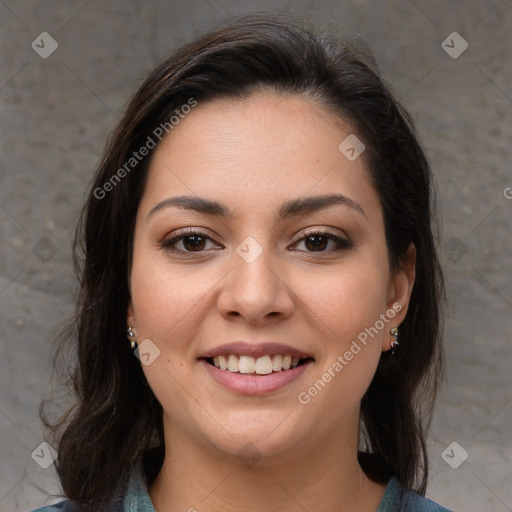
x=261 y=366
x=264 y=365
x=277 y=363
x=223 y=362
x=246 y=364
x=233 y=363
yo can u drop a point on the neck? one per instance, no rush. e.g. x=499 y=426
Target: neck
x=197 y=477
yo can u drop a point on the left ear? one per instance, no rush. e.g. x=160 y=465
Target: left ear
x=400 y=289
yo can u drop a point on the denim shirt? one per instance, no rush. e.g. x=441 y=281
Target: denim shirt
x=396 y=499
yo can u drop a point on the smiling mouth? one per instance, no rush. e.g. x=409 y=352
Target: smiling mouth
x=264 y=365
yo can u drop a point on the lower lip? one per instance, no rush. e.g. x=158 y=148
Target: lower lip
x=251 y=383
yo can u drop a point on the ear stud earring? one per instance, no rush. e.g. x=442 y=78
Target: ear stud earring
x=394 y=341
x=131 y=334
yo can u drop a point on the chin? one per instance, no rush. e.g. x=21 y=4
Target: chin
x=258 y=439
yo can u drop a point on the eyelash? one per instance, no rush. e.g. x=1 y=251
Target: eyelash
x=180 y=235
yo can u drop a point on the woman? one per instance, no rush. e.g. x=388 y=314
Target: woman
x=259 y=320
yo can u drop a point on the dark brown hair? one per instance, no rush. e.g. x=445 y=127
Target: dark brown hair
x=116 y=417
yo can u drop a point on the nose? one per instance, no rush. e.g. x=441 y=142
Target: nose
x=256 y=292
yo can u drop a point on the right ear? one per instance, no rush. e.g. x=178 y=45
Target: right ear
x=130 y=317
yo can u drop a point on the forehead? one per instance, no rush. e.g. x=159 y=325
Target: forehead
x=268 y=145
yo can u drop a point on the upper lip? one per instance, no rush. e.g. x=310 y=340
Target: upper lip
x=245 y=348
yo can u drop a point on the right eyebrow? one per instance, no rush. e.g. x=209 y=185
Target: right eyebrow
x=199 y=204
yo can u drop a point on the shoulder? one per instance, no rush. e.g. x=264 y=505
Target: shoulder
x=69 y=506
x=61 y=506
x=396 y=498
x=130 y=497
x=414 y=502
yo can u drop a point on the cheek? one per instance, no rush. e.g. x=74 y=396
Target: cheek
x=348 y=304
x=164 y=300
x=349 y=299
x=167 y=306
x=350 y=356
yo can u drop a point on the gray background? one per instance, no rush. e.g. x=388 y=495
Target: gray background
x=57 y=112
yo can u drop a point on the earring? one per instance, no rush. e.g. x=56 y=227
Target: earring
x=131 y=334
x=394 y=341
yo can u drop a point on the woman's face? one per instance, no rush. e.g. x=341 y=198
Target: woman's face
x=258 y=265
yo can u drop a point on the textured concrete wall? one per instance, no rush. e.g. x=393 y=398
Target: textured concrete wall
x=57 y=111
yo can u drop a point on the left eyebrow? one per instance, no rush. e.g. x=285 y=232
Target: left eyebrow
x=312 y=204
x=292 y=208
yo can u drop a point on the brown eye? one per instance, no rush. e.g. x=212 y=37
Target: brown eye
x=316 y=242
x=194 y=242
x=319 y=242
x=188 y=242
